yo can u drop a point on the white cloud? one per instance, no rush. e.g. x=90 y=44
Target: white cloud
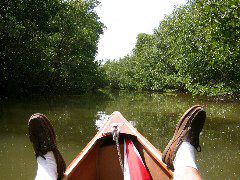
x=125 y=19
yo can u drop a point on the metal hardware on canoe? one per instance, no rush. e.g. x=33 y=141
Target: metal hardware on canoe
x=115 y=132
x=133 y=123
x=113 y=125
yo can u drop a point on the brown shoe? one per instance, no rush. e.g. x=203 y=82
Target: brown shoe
x=188 y=129
x=43 y=138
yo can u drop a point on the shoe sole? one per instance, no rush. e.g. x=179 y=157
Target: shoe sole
x=191 y=112
x=39 y=123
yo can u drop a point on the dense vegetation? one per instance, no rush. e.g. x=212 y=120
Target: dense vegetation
x=195 y=49
x=49 y=46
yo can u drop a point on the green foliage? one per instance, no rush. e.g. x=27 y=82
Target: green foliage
x=49 y=45
x=194 y=49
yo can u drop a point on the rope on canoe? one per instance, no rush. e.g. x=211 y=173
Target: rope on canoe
x=115 y=133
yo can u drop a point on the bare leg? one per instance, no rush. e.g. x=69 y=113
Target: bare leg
x=185 y=164
x=184 y=173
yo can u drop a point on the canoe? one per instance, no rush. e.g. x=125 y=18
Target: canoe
x=128 y=156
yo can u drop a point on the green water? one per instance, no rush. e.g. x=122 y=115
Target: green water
x=73 y=118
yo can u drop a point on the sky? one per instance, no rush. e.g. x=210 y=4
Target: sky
x=125 y=19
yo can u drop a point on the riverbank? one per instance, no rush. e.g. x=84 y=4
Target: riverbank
x=194 y=49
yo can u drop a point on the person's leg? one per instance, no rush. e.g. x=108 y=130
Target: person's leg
x=185 y=173
x=51 y=165
x=185 y=164
x=179 y=155
x=47 y=168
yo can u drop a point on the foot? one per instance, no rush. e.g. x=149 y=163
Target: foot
x=43 y=138
x=188 y=129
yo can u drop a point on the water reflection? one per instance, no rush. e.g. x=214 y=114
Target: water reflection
x=101 y=119
x=155 y=115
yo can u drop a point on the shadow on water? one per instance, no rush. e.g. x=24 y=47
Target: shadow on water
x=73 y=118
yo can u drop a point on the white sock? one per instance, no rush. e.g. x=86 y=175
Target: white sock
x=47 y=169
x=185 y=156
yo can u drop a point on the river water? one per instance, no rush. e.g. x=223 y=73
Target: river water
x=156 y=115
